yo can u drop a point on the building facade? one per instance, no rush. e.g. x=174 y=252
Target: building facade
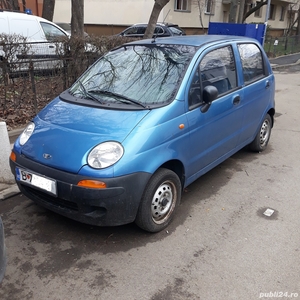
x=108 y=17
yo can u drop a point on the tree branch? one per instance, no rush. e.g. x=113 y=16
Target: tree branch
x=254 y=9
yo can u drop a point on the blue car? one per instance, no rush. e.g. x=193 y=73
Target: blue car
x=141 y=124
x=2 y=252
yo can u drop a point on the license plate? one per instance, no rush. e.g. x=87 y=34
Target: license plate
x=41 y=182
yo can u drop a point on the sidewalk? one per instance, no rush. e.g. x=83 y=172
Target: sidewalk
x=284 y=61
x=8 y=190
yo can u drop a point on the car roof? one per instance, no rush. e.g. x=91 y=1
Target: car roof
x=23 y=16
x=195 y=40
x=158 y=23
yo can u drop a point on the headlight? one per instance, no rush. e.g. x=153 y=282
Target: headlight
x=25 y=135
x=105 y=155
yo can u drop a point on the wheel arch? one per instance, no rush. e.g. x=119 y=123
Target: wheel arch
x=271 y=112
x=177 y=167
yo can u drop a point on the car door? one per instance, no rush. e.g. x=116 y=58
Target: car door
x=257 y=86
x=213 y=134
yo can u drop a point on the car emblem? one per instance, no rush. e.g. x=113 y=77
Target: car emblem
x=47 y=156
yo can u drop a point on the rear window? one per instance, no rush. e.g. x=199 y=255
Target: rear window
x=176 y=30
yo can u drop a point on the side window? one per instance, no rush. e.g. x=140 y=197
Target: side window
x=52 y=32
x=217 y=68
x=141 y=30
x=158 y=30
x=252 y=62
x=131 y=30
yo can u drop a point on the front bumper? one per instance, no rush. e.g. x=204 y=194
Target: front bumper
x=115 y=205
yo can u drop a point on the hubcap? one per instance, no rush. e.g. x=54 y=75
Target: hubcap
x=264 y=133
x=163 y=202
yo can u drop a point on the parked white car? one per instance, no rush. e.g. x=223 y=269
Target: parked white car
x=37 y=39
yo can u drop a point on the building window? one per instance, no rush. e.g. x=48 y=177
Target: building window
x=209 y=5
x=183 y=5
x=257 y=13
x=282 y=13
x=272 y=12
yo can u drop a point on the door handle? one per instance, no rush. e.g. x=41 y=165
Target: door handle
x=236 y=100
x=51 y=46
x=267 y=84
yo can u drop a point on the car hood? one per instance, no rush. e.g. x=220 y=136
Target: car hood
x=65 y=133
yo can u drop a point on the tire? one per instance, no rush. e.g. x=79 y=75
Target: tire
x=161 y=197
x=262 y=138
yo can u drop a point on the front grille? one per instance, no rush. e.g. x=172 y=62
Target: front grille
x=44 y=197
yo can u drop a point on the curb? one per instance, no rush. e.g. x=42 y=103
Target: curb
x=11 y=191
x=275 y=67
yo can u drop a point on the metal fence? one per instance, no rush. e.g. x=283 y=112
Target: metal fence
x=282 y=45
x=32 y=74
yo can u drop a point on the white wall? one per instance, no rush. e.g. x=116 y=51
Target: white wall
x=127 y=12
x=121 y=12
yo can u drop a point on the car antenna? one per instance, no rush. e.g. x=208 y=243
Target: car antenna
x=155 y=35
x=166 y=16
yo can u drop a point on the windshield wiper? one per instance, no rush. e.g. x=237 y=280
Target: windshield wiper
x=116 y=95
x=87 y=94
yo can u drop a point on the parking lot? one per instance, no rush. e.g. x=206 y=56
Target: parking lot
x=221 y=245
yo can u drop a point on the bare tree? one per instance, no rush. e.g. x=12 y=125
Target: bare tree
x=48 y=9
x=298 y=23
x=236 y=15
x=254 y=9
x=201 y=6
x=77 y=19
x=158 y=6
x=241 y=11
x=233 y=11
x=10 y=4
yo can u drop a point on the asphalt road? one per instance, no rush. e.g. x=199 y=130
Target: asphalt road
x=220 y=246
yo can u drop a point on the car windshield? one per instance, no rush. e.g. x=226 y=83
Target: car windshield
x=143 y=75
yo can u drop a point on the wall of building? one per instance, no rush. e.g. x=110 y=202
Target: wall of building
x=36 y=6
x=108 y=17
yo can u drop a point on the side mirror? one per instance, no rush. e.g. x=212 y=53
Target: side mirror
x=210 y=93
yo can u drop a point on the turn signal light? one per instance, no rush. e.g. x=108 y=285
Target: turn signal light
x=92 y=184
x=13 y=156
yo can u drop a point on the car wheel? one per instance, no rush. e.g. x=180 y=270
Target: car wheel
x=160 y=199
x=262 y=138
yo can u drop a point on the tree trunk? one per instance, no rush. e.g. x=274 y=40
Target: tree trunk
x=158 y=6
x=298 y=24
x=200 y=14
x=24 y=4
x=254 y=9
x=241 y=11
x=77 y=19
x=10 y=4
x=48 y=9
x=233 y=11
